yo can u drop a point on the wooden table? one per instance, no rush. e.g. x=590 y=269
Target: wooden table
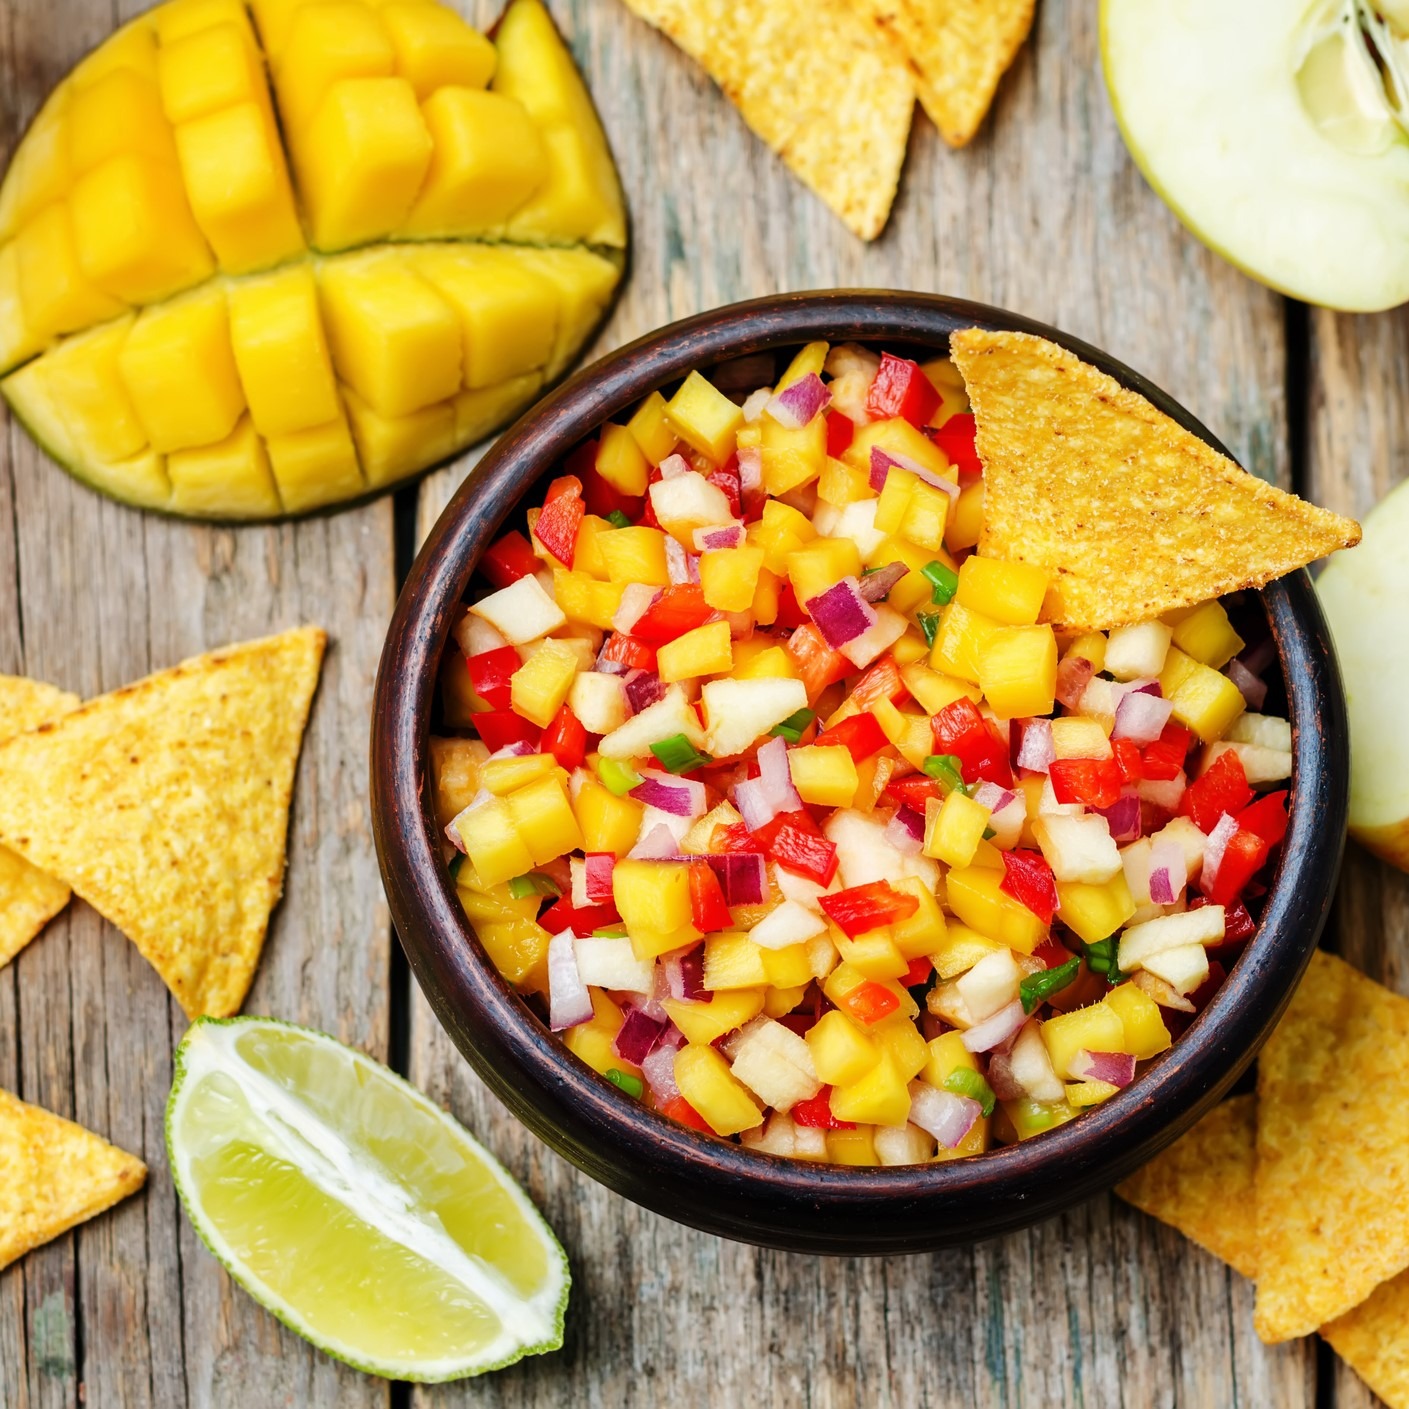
x=1044 y=214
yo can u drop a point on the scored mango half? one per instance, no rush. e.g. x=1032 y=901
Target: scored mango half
x=258 y=261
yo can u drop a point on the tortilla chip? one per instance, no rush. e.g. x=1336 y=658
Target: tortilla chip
x=1203 y=1184
x=959 y=49
x=54 y=1174
x=165 y=805
x=817 y=81
x=1373 y=1340
x=1130 y=514
x=28 y=898
x=1332 y=1150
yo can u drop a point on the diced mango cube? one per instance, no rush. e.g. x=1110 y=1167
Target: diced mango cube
x=652 y=895
x=703 y=1023
x=841 y=484
x=134 y=232
x=594 y=1042
x=704 y=418
x=767 y=663
x=394 y=339
x=901 y=1039
x=729 y=577
x=855 y=1147
x=55 y=295
x=1145 y=1033
x=976 y=896
x=894 y=500
x=1097 y=1028
x=954 y=828
x=650 y=428
x=788 y=968
x=436 y=48
x=841 y=1052
x=1008 y=592
x=1017 y=670
x=704 y=651
x=492 y=842
x=209 y=69
x=926 y=512
x=1207 y=635
x=1095 y=911
x=706 y=1082
x=544 y=818
x=118 y=114
x=608 y=822
x=1203 y=698
x=962 y=949
x=874 y=955
x=538 y=689
x=824 y=775
x=733 y=961
x=635 y=554
x=316 y=466
x=821 y=564
x=238 y=184
x=362 y=160
x=959 y=641
x=1090 y=645
x=327 y=43
x=923 y=933
x=946 y=1055
x=621 y=461
x=965 y=518
x=85 y=383
x=180 y=372
x=880 y=1097
x=231 y=477
x=792 y=456
x=392 y=447
x=900 y=439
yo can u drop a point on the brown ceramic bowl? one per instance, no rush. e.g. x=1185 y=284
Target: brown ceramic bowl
x=712 y=1183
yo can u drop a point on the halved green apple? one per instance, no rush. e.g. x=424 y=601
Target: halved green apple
x=1277 y=131
x=1365 y=592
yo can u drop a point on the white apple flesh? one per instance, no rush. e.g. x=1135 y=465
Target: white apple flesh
x=1365 y=592
x=1264 y=127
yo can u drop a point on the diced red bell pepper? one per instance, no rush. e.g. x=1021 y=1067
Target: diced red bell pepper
x=509 y=558
x=560 y=518
x=960 y=729
x=490 y=673
x=1224 y=788
x=562 y=915
x=598 y=876
x=1243 y=858
x=734 y=836
x=901 y=389
x=956 y=437
x=1128 y=760
x=707 y=907
x=918 y=972
x=1267 y=817
x=1093 y=782
x=726 y=480
x=881 y=681
x=565 y=739
x=869 y=1002
x=913 y=790
x=816 y=663
x=790 y=614
x=679 y=1109
x=628 y=651
x=1164 y=759
x=816 y=1114
x=797 y=845
x=1238 y=924
x=501 y=727
x=860 y=909
x=1052 y=953
x=859 y=734
x=1028 y=879
x=678 y=609
x=841 y=431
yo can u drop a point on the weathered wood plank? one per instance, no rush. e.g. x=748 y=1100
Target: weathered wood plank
x=1358 y=449
x=1045 y=214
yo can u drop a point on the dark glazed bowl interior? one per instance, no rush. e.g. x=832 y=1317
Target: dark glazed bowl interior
x=711 y=1183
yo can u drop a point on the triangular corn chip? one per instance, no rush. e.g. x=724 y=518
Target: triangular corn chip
x=165 y=805
x=54 y=1174
x=1203 y=1184
x=1332 y=1150
x=1373 y=1339
x=959 y=50
x=1130 y=514
x=28 y=898
x=817 y=81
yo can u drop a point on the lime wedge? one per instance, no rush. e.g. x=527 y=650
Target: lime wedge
x=360 y=1214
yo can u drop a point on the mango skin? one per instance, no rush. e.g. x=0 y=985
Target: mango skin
x=156 y=176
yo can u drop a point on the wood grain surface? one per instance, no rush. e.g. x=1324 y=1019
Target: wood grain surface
x=1045 y=214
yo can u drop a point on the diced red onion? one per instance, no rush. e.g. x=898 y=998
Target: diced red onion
x=597 y=867
x=681 y=797
x=944 y=1114
x=1141 y=716
x=1161 y=887
x=1030 y=741
x=1163 y=793
x=1124 y=817
x=569 y=1002
x=680 y=566
x=743 y=877
x=901 y=831
x=777 y=777
x=515 y=750
x=685 y=973
x=796 y=405
x=841 y=612
x=1167 y=859
x=1257 y=658
x=876 y=585
x=1252 y=687
x=991 y=796
x=635 y=602
x=637 y=1036
x=751 y=798
x=719 y=535
x=1000 y=1076
x=1114 y=1068
x=643 y=689
x=659 y=1071
x=1073 y=675
x=673 y=466
x=1214 y=849
x=996 y=1029
x=882 y=461
x=659 y=844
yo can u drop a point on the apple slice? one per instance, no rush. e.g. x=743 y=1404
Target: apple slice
x=1274 y=129
x=1365 y=592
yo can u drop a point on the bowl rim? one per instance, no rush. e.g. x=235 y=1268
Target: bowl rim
x=769 y=1199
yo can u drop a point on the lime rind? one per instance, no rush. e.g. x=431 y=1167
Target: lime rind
x=558 y=1278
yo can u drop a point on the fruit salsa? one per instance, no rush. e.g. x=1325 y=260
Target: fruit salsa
x=791 y=816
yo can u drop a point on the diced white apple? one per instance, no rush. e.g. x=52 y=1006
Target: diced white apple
x=945 y=1001
x=1032 y=1068
x=888 y=627
x=1098 y=700
x=688 y=502
x=903 y=1144
x=857 y=521
x=776 y=1136
x=611 y=963
x=667 y=717
x=1135 y=862
x=1260 y=765
x=776 y=1065
x=474 y=635
x=1267 y=730
x=599 y=701
x=577 y=874
x=1078 y=848
x=739 y=711
x=1187 y=837
x=1183 y=968
x=520 y=612
x=1007 y=823
x=788 y=924
x=1077 y=737
x=653 y=817
x=1140 y=650
x=1161 y=992
x=804 y=891
x=852 y=370
x=864 y=854
x=1138 y=943
x=991 y=984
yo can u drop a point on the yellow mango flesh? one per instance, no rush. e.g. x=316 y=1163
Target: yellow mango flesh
x=192 y=317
